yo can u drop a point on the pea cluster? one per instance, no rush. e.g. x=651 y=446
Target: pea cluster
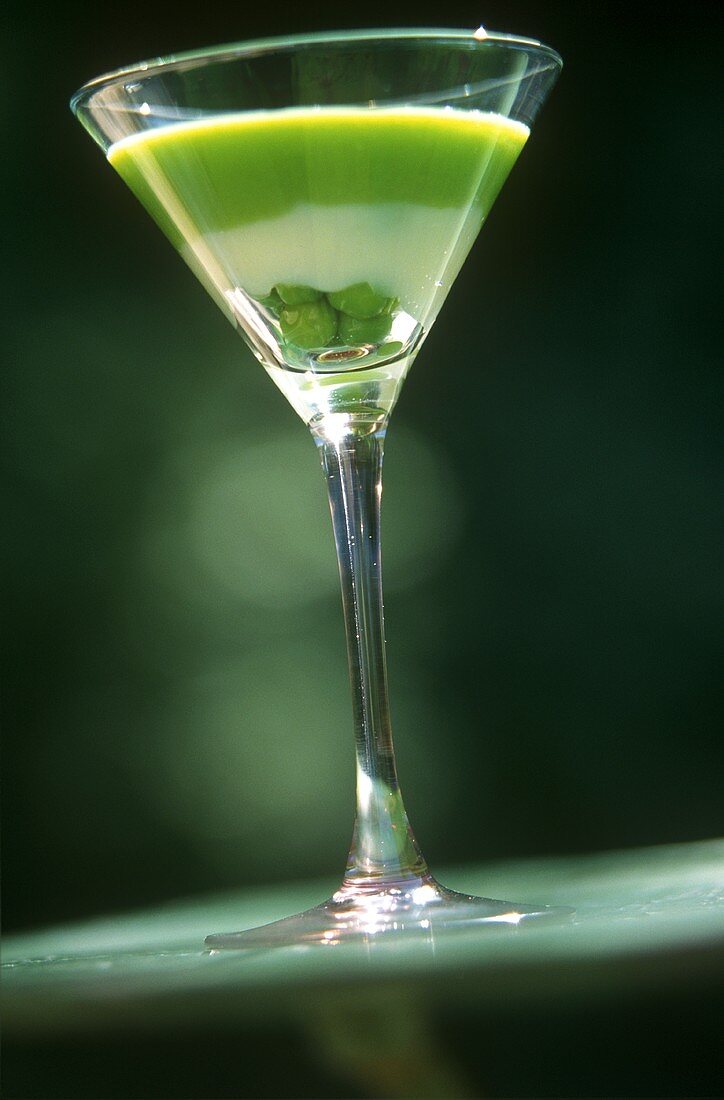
x=310 y=318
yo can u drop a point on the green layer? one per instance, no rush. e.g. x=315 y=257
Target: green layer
x=217 y=174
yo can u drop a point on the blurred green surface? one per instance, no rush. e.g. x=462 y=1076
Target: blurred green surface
x=373 y=1018
x=638 y=915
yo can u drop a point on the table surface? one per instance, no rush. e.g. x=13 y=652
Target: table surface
x=643 y=916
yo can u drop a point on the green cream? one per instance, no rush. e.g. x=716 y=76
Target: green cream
x=221 y=173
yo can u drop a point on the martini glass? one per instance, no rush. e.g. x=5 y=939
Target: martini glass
x=326 y=190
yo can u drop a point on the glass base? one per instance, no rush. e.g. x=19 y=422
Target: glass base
x=364 y=911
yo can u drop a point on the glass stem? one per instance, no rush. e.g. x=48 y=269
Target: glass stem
x=384 y=850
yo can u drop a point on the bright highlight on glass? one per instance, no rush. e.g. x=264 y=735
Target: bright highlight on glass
x=326 y=191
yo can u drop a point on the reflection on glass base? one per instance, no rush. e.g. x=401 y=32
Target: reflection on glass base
x=410 y=907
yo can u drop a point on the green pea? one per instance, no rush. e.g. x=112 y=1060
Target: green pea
x=372 y=330
x=385 y=351
x=272 y=302
x=297 y=295
x=312 y=325
x=360 y=301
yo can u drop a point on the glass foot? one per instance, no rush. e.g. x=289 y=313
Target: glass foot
x=363 y=911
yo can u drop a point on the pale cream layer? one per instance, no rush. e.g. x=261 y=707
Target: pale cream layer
x=403 y=250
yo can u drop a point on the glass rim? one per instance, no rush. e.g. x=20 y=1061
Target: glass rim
x=141 y=69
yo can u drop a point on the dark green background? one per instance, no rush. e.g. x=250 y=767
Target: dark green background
x=175 y=681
